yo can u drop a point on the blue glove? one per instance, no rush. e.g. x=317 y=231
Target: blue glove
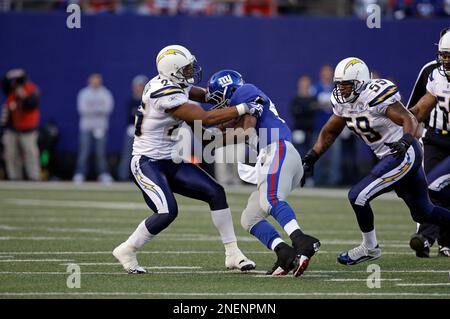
x=254 y=109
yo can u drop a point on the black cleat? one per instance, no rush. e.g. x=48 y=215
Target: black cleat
x=285 y=261
x=305 y=247
x=420 y=245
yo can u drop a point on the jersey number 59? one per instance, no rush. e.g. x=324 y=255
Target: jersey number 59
x=361 y=126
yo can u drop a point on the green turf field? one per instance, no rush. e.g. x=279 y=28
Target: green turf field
x=45 y=227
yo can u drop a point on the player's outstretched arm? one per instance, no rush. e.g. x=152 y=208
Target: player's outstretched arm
x=326 y=138
x=424 y=106
x=197 y=94
x=398 y=114
x=328 y=134
x=191 y=112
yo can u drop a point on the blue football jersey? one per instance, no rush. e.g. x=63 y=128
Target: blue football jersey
x=269 y=126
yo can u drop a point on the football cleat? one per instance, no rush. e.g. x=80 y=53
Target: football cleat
x=358 y=255
x=239 y=261
x=126 y=255
x=305 y=246
x=421 y=245
x=444 y=251
x=285 y=260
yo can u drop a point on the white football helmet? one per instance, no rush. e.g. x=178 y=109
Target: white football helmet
x=352 y=70
x=177 y=64
x=444 y=54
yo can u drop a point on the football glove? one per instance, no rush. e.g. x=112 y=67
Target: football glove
x=254 y=109
x=399 y=148
x=308 y=165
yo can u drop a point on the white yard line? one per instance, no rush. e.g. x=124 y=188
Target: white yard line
x=357 y=279
x=94 y=204
x=239 y=190
x=146 y=267
x=170 y=252
x=199 y=272
x=437 y=284
x=33 y=260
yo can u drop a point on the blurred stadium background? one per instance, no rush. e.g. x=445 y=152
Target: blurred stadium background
x=289 y=49
x=272 y=43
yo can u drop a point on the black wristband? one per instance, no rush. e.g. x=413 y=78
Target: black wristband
x=407 y=138
x=312 y=155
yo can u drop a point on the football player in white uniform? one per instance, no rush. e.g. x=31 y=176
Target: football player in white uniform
x=435 y=105
x=373 y=111
x=165 y=106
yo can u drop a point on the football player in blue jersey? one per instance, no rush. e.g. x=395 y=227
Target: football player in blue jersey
x=277 y=171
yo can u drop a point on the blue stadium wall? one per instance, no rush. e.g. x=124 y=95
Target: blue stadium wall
x=271 y=53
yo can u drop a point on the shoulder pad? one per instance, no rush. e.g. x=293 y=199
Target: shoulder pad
x=379 y=91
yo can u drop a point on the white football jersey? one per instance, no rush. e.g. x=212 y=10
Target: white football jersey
x=154 y=126
x=439 y=86
x=366 y=116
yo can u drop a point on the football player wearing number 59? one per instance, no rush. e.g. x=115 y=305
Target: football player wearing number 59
x=373 y=111
x=165 y=106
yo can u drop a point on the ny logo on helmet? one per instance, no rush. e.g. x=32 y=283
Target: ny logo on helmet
x=225 y=80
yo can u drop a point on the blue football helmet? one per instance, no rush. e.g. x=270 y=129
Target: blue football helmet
x=221 y=87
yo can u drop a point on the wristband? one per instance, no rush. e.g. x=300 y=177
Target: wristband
x=241 y=108
x=408 y=138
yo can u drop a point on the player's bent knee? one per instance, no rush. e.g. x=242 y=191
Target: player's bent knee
x=249 y=219
x=353 y=195
x=264 y=204
x=217 y=198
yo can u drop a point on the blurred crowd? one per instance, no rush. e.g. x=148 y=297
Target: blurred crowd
x=396 y=9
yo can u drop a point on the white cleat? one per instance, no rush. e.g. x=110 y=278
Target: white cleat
x=444 y=251
x=239 y=261
x=126 y=255
x=358 y=255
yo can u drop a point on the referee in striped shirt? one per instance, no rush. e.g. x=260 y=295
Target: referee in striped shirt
x=436 y=149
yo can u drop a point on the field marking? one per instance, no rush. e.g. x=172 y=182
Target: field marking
x=36 y=238
x=157 y=252
x=308 y=275
x=201 y=272
x=178 y=237
x=437 y=284
x=357 y=279
x=33 y=260
x=228 y=294
x=146 y=267
x=94 y=204
x=238 y=190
